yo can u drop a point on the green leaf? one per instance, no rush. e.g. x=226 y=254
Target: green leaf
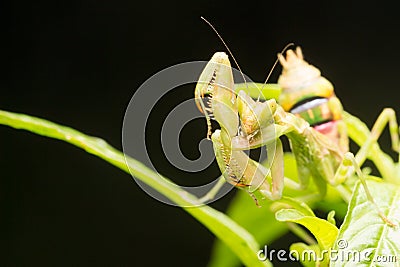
x=331 y=217
x=323 y=231
x=290 y=166
x=240 y=241
x=364 y=237
x=260 y=90
x=309 y=256
x=338 y=205
x=298 y=205
x=258 y=221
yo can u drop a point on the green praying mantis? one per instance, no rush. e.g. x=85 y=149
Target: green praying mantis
x=308 y=113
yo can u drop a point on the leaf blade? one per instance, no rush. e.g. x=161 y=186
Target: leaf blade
x=235 y=236
x=364 y=231
x=324 y=231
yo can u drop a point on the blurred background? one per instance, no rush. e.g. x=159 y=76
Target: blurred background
x=78 y=63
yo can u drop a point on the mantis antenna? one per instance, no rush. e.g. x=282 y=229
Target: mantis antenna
x=276 y=62
x=226 y=46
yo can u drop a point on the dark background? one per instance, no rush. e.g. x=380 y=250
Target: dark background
x=78 y=63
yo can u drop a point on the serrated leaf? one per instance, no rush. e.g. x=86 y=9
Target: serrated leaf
x=323 y=231
x=364 y=232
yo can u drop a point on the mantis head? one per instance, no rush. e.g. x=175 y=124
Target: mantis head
x=216 y=83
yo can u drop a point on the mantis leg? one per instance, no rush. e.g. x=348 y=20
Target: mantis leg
x=277 y=173
x=388 y=116
x=241 y=171
x=346 y=168
x=352 y=163
x=337 y=111
x=303 y=172
x=343 y=137
x=221 y=152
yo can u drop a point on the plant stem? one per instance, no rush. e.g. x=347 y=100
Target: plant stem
x=234 y=236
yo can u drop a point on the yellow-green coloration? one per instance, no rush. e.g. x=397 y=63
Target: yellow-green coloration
x=254 y=115
x=262 y=123
x=316 y=155
x=252 y=177
x=315 y=112
x=310 y=96
x=216 y=81
x=300 y=80
x=238 y=239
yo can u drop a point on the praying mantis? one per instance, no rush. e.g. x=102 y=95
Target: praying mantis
x=307 y=100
